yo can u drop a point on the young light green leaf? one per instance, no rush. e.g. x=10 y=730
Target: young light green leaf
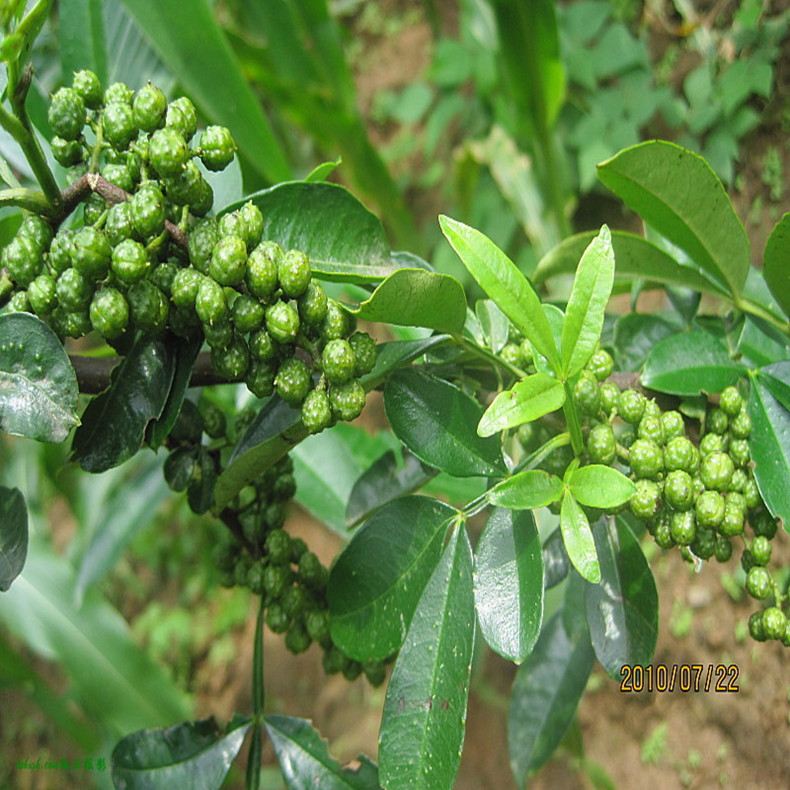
x=305 y=760
x=195 y=754
x=508 y=580
x=524 y=402
x=775 y=268
x=578 y=538
x=493 y=323
x=38 y=386
x=622 y=611
x=377 y=581
x=13 y=535
x=584 y=314
x=689 y=363
x=546 y=693
x=526 y=490
x=436 y=421
x=770 y=448
x=600 y=486
x=634 y=256
x=414 y=297
x=677 y=193
x=422 y=726
x=498 y=276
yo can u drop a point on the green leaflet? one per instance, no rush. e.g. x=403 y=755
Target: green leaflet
x=600 y=486
x=524 y=402
x=526 y=490
x=498 y=276
x=775 y=268
x=676 y=192
x=579 y=543
x=584 y=314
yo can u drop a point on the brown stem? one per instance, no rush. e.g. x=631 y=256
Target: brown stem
x=93 y=373
x=75 y=193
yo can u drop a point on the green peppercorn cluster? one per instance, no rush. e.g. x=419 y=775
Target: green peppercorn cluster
x=148 y=259
x=700 y=498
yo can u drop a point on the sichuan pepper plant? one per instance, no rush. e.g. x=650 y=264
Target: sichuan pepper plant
x=550 y=408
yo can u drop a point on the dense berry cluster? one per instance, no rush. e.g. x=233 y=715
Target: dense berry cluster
x=144 y=260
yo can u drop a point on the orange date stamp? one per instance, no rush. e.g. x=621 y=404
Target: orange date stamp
x=719 y=678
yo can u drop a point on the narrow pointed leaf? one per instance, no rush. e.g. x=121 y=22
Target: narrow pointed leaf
x=384 y=481
x=523 y=402
x=677 y=193
x=527 y=490
x=498 y=276
x=769 y=443
x=578 y=538
x=584 y=314
x=436 y=421
x=622 y=611
x=38 y=386
x=13 y=535
x=493 y=323
x=600 y=486
x=689 y=363
x=777 y=378
x=305 y=760
x=376 y=583
x=114 y=423
x=196 y=754
x=508 y=578
x=422 y=726
x=634 y=257
x=775 y=263
x=546 y=693
x=414 y=297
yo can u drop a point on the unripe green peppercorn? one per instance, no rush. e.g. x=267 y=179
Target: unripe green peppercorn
x=297 y=640
x=185 y=286
x=73 y=290
x=87 y=85
x=66 y=114
x=723 y=549
x=217 y=147
x=109 y=312
x=610 y=394
x=294 y=273
x=260 y=378
x=118 y=225
x=67 y=153
x=348 y=399
x=247 y=314
x=282 y=322
x=148 y=211
x=680 y=453
x=682 y=527
x=365 y=352
x=130 y=262
x=148 y=306
x=600 y=364
x=761 y=550
x=292 y=381
x=631 y=406
x=733 y=521
x=150 y=106
x=739 y=452
x=601 y=444
x=252 y=219
x=202 y=241
x=316 y=411
x=23 y=260
x=42 y=295
x=730 y=401
x=709 y=509
x=586 y=394
x=716 y=471
x=673 y=425
x=118 y=125
x=182 y=116
x=168 y=152
x=774 y=623
x=210 y=302
x=336 y=324
x=262 y=346
x=338 y=361
x=313 y=305
x=756 y=627
x=92 y=253
x=261 y=272
x=646 y=458
x=741 y=425
x=678 y=490
x=645 y=502
x=711 y=443
x=652 y=429
x=717 y=422
x=228 y=263
x=759 y=583
x=231 y=362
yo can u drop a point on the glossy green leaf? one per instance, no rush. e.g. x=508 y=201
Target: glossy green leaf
x=125 y=512
x=414 y=297
x=584 y=314
x=777 y=378
x=82 y=38
x=436 y=421
x=556 y=563
x=578 y=538
x=422 y=726
x=114 y=423
x=387 y=479
x=185 y=352
x=305 y=760
x=526 y=490
x=508 y=580
x=634 y=256
x=38 y=386
x=546 y=693
x=689 y=363
x=343 y=240
x=600 y=486
x=635 y=335
x=676 y=192
x=376 y=583
x=622 y=611
x=498 y=276
x=325 y=472
x=114 y=679
x=214 y=80
x=769 y=443
x=13 y=535
x=200 y=489
x=273 y=432
x=524 y=402
x=775 y=263
x=195 y=754
x=493 y=323
x=761 y=343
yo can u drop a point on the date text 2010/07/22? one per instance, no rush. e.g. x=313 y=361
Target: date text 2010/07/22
x=635 y=679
